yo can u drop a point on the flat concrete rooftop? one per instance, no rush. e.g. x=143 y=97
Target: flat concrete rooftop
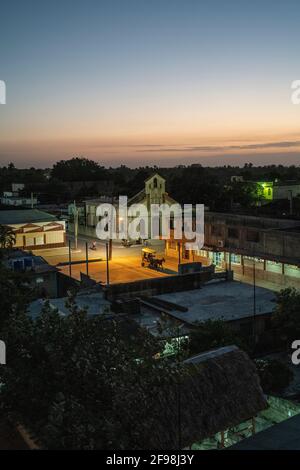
x=151 y=319
x=218 y=300
x=94 y=303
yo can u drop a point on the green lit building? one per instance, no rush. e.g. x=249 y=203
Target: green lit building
x=264 y=191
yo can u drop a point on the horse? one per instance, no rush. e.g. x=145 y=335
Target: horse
x=157 y=263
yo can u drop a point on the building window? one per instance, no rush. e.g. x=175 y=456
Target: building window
x=252 y=236
x=216 y=230
x=233 y=232
x=292 y=270
x=235 y=259
x=202 y=253
x=218 y=258
x=172 y=245
x=39 y=240
x=29 y=241
x=274 y=267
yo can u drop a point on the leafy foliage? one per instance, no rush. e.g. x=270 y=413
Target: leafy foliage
x=7 y=237
x=82 y=382
x=287 y=315
x=78 y=169
x=214 y=334
x=209 y=185
x=15 y=294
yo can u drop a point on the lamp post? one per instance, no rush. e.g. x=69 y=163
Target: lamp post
x=70 y=260
x=75 y=226
x=179 y=392
x=254 y=302
x=179 y=252
x=87 y=258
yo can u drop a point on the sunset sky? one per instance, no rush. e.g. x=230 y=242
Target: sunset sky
x=150 y=81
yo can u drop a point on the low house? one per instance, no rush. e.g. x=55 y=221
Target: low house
x=34 y=229
x=91 y=301
x=15 y=197
x=286 y=190
x=229 y=301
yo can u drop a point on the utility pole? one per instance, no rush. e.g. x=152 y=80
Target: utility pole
x=110 y=239
x=179 y=252
x=254 y=302
x=70 y=260
x=107 y=262
x=110 y=249
x=179 y=393
x=75 y=212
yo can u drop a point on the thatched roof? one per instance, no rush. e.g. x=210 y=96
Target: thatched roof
x=10 y=438
x=218 y=390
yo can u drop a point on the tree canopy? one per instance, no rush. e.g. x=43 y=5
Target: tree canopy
x=78 y=169
x=81 y=382
x=213 y=334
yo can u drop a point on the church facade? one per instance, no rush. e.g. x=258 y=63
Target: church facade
x=154 y=192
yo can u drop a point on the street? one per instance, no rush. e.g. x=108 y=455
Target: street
x=125 y=265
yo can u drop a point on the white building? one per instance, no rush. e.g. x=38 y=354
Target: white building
x=14 y=198
x=34 y=229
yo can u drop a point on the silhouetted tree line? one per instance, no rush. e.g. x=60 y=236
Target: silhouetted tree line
x=78 y=178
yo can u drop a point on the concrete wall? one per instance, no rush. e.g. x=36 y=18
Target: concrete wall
x=40 y=235
x=157 y=286
x=65 y=283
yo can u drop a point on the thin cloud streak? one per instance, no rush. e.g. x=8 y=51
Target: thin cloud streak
x=223 y=148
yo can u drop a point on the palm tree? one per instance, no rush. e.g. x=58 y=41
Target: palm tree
x=7 y=237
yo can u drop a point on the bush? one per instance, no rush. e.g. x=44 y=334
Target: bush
x=274 y=375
